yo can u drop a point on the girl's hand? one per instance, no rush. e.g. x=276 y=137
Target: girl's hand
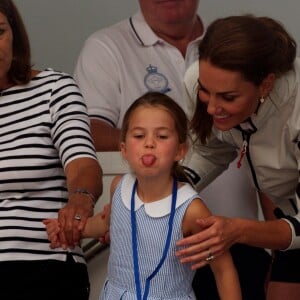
x=217 y=236
x=105 y=239
x=53 y=229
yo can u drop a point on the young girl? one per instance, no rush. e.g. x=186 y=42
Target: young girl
x=151 y=209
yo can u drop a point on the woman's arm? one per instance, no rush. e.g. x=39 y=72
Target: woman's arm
x=105 y=136
x=219 y=233
x=84 y=183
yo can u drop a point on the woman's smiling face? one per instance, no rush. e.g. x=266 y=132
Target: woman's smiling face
x=230 y=99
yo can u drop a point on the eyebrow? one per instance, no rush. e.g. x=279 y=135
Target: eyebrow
x=156 y=128
x=219 y=93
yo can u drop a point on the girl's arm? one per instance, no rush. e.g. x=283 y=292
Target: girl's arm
x=98 y=225
x=226 y=277
x=223 y=268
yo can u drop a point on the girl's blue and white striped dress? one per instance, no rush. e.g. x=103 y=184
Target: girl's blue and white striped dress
x=174 y=280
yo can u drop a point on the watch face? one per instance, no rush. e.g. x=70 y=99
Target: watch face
x=155 y=81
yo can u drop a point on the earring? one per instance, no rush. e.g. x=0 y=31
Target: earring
x=262 y=99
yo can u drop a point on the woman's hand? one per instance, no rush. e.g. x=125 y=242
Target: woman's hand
x=82 y=174
x=217 y=235
x=72 y=219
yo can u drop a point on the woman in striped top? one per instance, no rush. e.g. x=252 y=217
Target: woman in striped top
x=48 y=166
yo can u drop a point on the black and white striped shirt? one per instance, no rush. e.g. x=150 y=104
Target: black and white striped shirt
x=43 y=126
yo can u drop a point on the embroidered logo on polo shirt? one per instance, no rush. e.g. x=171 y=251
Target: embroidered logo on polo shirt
x=155 y=81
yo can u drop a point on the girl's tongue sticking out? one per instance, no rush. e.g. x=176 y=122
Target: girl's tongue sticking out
x=148 y=160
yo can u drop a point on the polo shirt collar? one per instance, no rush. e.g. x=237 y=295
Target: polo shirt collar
x=142 y=31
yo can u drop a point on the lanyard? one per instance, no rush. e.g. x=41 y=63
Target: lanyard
x=135 y=248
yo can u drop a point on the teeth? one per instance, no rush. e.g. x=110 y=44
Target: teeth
x=221 y=117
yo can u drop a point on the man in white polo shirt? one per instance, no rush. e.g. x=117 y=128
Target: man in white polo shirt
x=151 y=52
x=120 y=63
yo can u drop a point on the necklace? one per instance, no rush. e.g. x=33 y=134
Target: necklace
x=134 y=242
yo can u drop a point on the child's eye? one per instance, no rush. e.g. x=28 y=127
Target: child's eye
x=162 y=136
x=138 y=136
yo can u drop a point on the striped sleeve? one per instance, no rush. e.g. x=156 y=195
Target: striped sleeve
x=70 y=128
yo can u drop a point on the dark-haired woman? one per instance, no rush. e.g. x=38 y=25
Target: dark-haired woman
x=48 y=167
x=248 y=91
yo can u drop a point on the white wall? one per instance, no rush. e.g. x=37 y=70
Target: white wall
x=58 y=28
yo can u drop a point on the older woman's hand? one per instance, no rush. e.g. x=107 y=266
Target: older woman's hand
x=72 y=219
x=216 y=235
x=84 y=183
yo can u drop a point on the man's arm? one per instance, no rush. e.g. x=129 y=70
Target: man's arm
x=106 y=137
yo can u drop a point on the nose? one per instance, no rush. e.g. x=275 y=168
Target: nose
x=149 y=142
x=212 y=105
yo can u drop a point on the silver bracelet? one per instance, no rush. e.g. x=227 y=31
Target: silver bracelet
x=86 y=192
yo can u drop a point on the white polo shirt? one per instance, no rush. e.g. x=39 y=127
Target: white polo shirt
x=120 y=63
